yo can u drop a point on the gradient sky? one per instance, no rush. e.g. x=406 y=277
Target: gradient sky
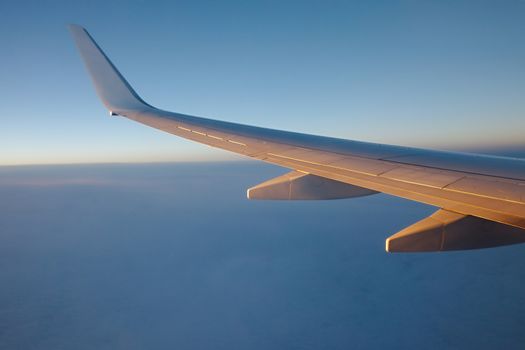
x=445 y=74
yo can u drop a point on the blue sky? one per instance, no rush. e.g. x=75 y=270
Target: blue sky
x=444 y=74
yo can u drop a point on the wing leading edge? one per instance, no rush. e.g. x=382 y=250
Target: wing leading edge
x=490 y=190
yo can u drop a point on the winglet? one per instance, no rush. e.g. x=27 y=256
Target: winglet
x=114 y=91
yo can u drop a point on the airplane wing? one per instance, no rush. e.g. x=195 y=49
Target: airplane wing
x=481 y=199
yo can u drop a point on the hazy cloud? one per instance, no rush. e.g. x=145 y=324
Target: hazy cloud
x=179 y=258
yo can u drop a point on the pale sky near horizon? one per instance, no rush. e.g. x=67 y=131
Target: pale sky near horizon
x=441 y=74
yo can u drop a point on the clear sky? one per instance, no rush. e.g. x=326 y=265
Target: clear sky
x=444 y=74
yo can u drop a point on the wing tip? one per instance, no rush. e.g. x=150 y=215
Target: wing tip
x=73 y=27
x=113 y=89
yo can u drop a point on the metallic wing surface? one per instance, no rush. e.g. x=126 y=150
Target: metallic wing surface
x=481 y=199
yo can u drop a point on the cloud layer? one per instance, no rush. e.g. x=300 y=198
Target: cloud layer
x=174 y=256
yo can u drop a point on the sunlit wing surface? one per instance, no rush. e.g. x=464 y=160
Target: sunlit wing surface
x=481 y=198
